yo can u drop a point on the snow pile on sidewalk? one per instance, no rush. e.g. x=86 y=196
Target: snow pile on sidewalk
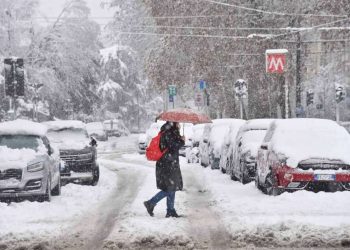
x=48 y=219
x=300 y=219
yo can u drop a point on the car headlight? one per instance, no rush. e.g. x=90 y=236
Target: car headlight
x=35 y=167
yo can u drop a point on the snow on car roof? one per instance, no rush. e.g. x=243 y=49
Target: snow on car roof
x=305 y=139
x=220 y=130
x=64 y=124
x=22 y=127
x=257 y=124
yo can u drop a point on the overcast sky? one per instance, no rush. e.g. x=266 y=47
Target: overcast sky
x=51 y=8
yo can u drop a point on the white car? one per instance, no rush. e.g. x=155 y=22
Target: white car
x=192 y=153
x=245 y=151
x=30 y=167
x=141 y=143
x=77 y=150
x=204 y=146
x=116 y=128
x=310 y=154
x=229 y=142
x=96 y=130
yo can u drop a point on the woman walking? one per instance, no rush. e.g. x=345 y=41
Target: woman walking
x=168 y=173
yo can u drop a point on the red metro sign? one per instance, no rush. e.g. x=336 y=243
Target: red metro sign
x=276 y=61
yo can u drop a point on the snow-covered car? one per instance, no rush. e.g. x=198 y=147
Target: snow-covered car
x=204 y=146
x=77 y=150
x=96 y=130
x=219 y=131
x=310 y=154
x=247 y=144
x=192 y=153
x=141 y=143
x=229 y=142
x=115 y=128
x=346 y=125
x=30 y=167
x=153 y=130
x=187 y=130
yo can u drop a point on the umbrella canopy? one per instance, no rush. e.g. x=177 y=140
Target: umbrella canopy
x=184 y=116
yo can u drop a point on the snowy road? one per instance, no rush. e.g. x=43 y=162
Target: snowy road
x=218 y=213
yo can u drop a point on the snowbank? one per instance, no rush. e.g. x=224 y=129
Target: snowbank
x=22 y=127
x=35 y=219
x=303 y=139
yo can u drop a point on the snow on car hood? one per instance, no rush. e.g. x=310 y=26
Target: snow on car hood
x=71 y=144
x=303 y=139
x=18 y=158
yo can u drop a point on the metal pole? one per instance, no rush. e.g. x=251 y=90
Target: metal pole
x=241 y=106
x=337 y=113
x=286 y=97
x=298 y=71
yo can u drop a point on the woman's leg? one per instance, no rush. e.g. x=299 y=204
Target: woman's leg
x=159 y=196
x=171 y=201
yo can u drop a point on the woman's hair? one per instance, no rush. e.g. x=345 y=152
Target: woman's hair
x=171 y=125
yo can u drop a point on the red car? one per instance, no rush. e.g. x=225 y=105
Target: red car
x=310 y=154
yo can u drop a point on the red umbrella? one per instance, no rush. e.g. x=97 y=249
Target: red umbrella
x=184 y=116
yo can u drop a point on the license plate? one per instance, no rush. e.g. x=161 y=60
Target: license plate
x=324 y=177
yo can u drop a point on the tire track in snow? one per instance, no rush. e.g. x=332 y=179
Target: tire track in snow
x=206 y=227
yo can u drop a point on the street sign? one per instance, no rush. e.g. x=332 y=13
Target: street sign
x=202 y=85
x=340 y=93
x=241 y=89
x=199 y=99
x=171 y=98
x=276 y=61
x=14 y=77
x=172 y=90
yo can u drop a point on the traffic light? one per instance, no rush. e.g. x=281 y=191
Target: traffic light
x=339 y=93
x=14 y=77
x=309 y=97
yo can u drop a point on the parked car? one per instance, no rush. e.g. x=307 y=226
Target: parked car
x=229 y=142
x=247 y=143
x=153 y=130
x=204 y=145
x=187 y=131
x=310 y=154
x=115 y=128
x=192 y=153
x=96 y=130
x=141 y=143
x=29 y=165
x=77 y=150
x=219 y=131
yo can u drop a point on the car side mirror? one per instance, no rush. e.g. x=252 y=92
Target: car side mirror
x=93 y=142
x=205 y=140
x=50 y=150
x=264 y=146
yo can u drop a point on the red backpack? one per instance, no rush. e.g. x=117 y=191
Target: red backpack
x=153 y=152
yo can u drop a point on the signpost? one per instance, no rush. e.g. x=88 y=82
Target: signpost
x=172 y=93
x=14 y=81
x=276 y=63
x=340 y=94
x=241 y=91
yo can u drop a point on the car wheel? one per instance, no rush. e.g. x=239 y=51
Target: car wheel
x=244 y=178
x=47 y=195
x=271 y=185
x=96 y=176
x=57 y=190
x=233 y=177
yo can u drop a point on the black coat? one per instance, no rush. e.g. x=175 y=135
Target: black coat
x=168 y=173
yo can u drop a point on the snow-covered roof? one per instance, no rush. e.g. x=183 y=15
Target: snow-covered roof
x=64 y=124
x=304 y=139
x=22 y=127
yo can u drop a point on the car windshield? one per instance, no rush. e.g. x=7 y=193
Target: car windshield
x=68 y=134
x=21 y=141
